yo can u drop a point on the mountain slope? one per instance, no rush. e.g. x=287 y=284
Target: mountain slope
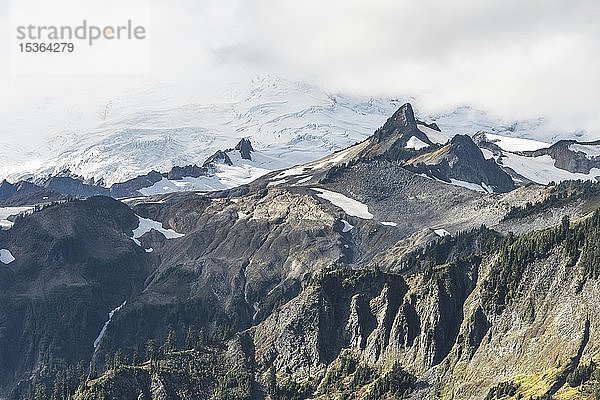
x=349 y=275
x=462 y=162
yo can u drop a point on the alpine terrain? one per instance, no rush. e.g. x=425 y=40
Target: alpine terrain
x=436 y=257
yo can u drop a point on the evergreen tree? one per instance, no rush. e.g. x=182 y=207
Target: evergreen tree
x=202 y=337
x=190 y=338
x=271 y=381
x=170 y=342
x=150 y=350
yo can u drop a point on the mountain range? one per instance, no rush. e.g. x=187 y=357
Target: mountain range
x=411 y=263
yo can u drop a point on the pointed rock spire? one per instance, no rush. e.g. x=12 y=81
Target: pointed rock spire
x=245 y=148
x=390 y=141
x=400 y=124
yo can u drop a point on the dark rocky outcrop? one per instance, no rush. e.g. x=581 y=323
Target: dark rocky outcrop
x=462 y=160
x=74 y=187
x=389 y=142
x=482 y=142
x=193 y=171
x=566 y=158
x=9 y=190
x=220 y=157
x=131 y=186
x=432 y=125
x=245 y=148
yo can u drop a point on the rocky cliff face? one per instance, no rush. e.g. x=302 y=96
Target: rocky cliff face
x=436 y=322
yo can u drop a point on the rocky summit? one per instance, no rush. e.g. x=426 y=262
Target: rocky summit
x=409 y=265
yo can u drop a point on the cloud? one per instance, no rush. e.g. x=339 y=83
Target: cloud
x=523 y=59
x=517 y=59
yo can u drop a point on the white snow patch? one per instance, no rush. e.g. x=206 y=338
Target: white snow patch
x=347 y=226
x=332 y=160
x=350 y=206
x=516 y=144
x=542 y=170
x=415 y=143
x=225 y=177
x=276 y=183
x=304 y=180
x=128 y=199
x=6 y=212
x=389 y=223
x=289 y=172
x=6 y=256
x=433 y=135
x=103 y=331
x=146 y=225
x=589 y=150
x=441 y=232
x=467 y=185
x=487 y=154
x=242 y=215
x=487 y=188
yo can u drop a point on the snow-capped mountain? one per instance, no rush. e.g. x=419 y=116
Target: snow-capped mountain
x=290 y=122
x=287 y=122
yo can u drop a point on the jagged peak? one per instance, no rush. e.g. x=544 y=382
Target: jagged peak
x=463 y=140
x=402 y=122
x=219 y=157
x=431 y=125
x=244 y=146
x=392 y=140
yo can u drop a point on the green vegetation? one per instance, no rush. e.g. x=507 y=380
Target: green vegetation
x=396 y=383
x=58 y=382
x=560 y=195
x=501 y=390
x=580 y=241
x=353 y=379
x=235 y=385
x=450 y=249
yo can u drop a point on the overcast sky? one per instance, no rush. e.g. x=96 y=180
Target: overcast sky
x=513 y=58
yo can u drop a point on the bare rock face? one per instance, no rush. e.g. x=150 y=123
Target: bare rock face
x=193 y=171
x=569 y=158
x=462 y=160
x=219 y=157
x=389 y=142
x=245 y=148
x=379 y=316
